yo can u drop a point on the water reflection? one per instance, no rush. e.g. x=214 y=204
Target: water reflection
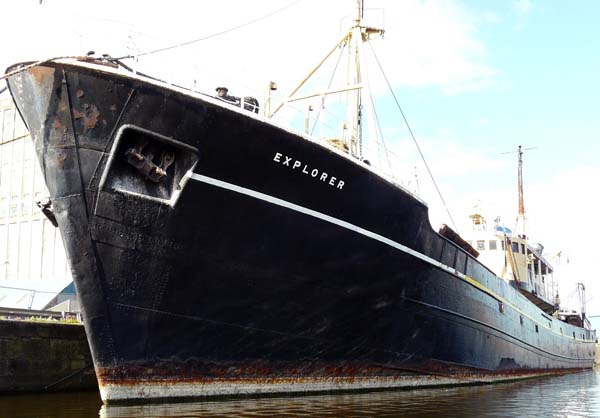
x=576 y=395
x=50 y=405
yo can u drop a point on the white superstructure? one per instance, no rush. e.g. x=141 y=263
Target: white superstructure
x=515 y=259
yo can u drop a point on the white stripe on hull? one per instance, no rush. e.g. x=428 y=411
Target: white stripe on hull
x=324 y=217
x=315 y=214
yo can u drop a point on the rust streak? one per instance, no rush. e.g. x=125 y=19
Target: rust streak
x=41 y=73
x=57 y=124
x=260 y=375
x=286 y=380
x=89 y=115
x=60 y=160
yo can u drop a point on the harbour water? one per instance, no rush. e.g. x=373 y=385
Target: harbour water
x=574 y=395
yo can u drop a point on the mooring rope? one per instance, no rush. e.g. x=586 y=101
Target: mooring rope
x=69 y=376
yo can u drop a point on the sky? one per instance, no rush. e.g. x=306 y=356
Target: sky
x=475 y=79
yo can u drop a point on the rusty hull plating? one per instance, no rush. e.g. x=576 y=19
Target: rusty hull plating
x=209 y=262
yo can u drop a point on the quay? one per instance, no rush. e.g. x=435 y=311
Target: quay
x=44 y=356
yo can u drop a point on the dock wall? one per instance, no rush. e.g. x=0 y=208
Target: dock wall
x=44 y=356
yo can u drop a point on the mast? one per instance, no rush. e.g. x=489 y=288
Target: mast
x=358 y=108
x=581 y=295
x=360 y=10
x=521 y=220
x=353 y=136
x=521 y=202
x=357 y=81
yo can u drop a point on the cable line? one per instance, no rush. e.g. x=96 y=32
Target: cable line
x=35 y=64
x=322 y=107
x=413 y=137
x=213 y=35
x=387 y=155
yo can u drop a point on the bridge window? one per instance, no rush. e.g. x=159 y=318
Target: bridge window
x=480 y=245
x=515 y=247
x=537 y=329
x=493 y=245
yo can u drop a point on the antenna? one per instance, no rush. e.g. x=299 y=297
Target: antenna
x=521 y=219
x=581 y=296
x=520 y=175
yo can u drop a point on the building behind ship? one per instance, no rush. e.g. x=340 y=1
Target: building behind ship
x=34 y=272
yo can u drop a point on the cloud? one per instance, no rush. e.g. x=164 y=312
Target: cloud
x=561 y=213
x=446 y=157
x=561 y=209
x=522 y=7
x=435 y=43
x=471 y=85
x=426 y=42
x=458 y=171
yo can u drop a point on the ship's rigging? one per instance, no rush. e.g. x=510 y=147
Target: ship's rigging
x=361 y=109
x=361 y=105
x=239 y=272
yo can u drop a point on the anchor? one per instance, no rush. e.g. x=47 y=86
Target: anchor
x=144 y=163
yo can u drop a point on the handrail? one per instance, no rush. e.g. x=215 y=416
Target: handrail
x=22 y=313
x=34 y=290
x=33 y=293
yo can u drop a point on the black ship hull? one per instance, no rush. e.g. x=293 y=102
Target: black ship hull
x=262 y=261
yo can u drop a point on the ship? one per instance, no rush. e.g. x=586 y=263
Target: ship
x=217 y=253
